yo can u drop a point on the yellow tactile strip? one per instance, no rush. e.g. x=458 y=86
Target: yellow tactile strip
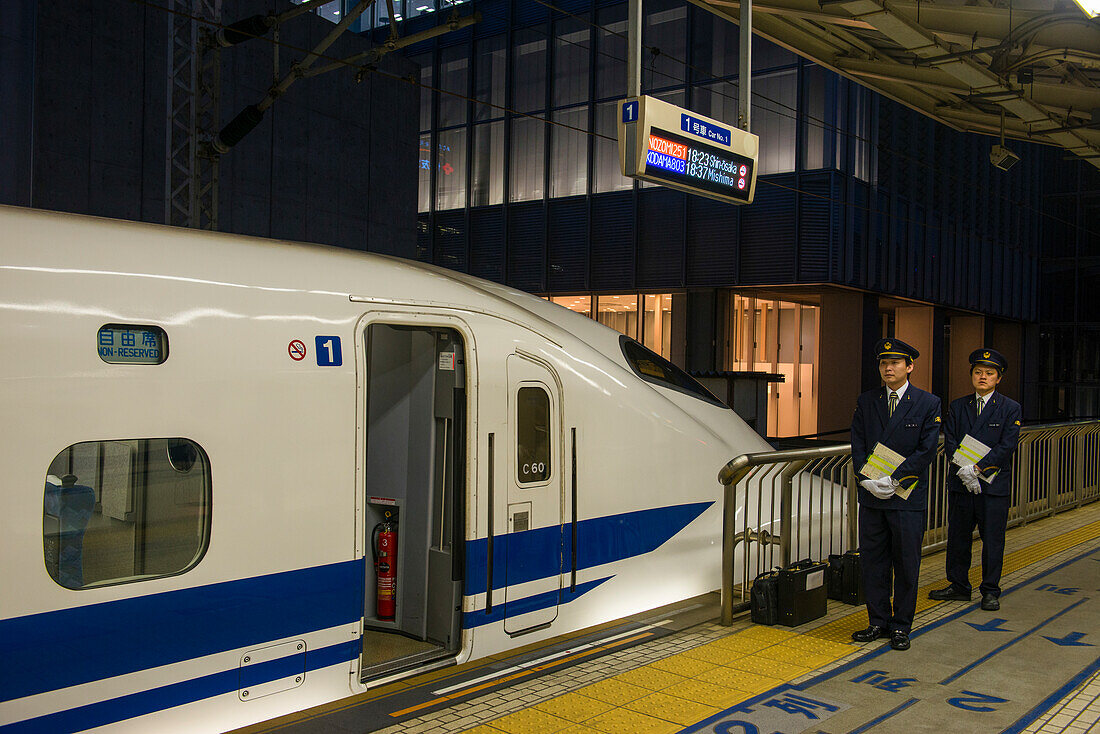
x=668 y=694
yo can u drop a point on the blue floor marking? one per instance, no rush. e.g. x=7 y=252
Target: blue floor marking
x=1035 y=713
x=963 y=671
x=1044 y=705
x=893 y=712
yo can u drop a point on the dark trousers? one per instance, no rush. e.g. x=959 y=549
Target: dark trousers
x=889 y=552
x=990 y=515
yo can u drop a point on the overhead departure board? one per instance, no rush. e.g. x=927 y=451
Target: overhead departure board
x=668 y=145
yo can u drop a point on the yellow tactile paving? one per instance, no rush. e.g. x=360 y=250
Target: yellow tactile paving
x=678 y=710
x=708 y=693
x=715 y=654
x=770 y=668
x=531 y=721
x=614 y=691
x=580 y=729
x=682 y=664
x=739 y=679
x=619 y=721
x=576 y=707
x=691 y=685
x=650 y=678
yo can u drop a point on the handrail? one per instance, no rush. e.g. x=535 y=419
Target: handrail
x=1056 y=467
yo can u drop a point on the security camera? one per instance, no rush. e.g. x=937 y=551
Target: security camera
x=1002 y=157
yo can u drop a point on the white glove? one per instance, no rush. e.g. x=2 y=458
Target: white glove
x=882 y=488
x=869 y=485
x=969 y=476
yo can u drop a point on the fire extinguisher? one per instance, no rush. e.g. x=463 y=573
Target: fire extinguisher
x=384 y=546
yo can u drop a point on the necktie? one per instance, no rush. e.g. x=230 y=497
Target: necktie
x=981 y=404
x=893 y=402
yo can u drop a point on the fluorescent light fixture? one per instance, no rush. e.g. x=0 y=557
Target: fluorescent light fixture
x=1091 y=8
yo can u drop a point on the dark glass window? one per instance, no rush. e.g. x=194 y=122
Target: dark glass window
x=654 y=368
x=533 y=435
x=492 y=63
x=529 y=70
x=121 y=511
x=571 y=49
x=454 y=63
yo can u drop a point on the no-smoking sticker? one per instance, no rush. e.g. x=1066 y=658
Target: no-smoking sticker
x=297 y=350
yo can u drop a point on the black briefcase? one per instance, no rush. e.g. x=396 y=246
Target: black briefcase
x=803 y=594
x=852 y=578
x=836 y=576
x=846 y=578
x=764 y=598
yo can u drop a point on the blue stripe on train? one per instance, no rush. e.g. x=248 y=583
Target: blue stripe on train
x=44 y=652
x=534 y=554
x=534 y=603
x=178 y=694
x=53 y=650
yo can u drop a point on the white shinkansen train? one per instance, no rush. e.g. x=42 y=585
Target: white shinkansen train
x=245 y=477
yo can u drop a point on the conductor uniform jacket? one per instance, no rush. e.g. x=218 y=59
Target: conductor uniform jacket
x=998 y=427
x=912 y=431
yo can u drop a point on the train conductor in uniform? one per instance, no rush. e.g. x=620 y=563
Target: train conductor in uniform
x=978 y=491
x=906 y=421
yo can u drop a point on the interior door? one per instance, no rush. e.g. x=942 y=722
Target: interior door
x=535 y=496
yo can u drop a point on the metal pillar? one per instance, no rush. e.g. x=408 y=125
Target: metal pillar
x=194 y=82
x=744 y=70
x=634 y=49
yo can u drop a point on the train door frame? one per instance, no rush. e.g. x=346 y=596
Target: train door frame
x=532 y=599
x=415 y=318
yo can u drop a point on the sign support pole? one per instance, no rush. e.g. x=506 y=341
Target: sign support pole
x=634 y=49
x=744 y=69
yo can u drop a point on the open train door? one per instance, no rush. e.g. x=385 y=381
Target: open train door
x=535 y=550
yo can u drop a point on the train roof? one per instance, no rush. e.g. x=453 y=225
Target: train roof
x=90 y=245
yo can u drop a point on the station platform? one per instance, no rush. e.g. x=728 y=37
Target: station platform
x=1033 y=666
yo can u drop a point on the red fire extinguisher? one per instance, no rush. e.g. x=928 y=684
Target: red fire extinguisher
x=384 y=545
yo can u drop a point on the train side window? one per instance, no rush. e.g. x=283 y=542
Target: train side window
x=533 y=435
x=121 y=511
x=654 y=368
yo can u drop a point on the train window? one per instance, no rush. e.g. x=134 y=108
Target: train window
x=122 y=511
x=533 y=435
x=654 y=368
x=128 y=344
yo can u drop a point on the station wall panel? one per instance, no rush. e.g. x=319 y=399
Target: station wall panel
x=769 y=234
x=487 y=243
x=612 y=242
x=712 y=243
x=661 y=230
x=527 y=264
x=568 y=245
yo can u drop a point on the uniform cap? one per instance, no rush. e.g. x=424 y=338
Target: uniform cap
x=990 y=358
x=894 y=349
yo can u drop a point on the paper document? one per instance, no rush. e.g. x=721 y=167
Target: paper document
x=971 y=451
x=881 y=463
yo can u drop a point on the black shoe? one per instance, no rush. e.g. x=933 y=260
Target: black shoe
x=990 y=603
x=899 y=640
x=952 y=593
x=874 y=632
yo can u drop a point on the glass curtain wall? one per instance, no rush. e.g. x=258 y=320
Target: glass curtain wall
x=543 y=121
x=646 y=317
x=780 y=337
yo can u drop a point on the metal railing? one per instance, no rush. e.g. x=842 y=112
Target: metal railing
x=784 y=505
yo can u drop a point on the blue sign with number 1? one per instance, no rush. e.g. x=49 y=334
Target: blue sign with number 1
x=328 y=351
x=630 y=111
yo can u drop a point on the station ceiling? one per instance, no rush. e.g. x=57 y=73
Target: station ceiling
x=961 y=62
